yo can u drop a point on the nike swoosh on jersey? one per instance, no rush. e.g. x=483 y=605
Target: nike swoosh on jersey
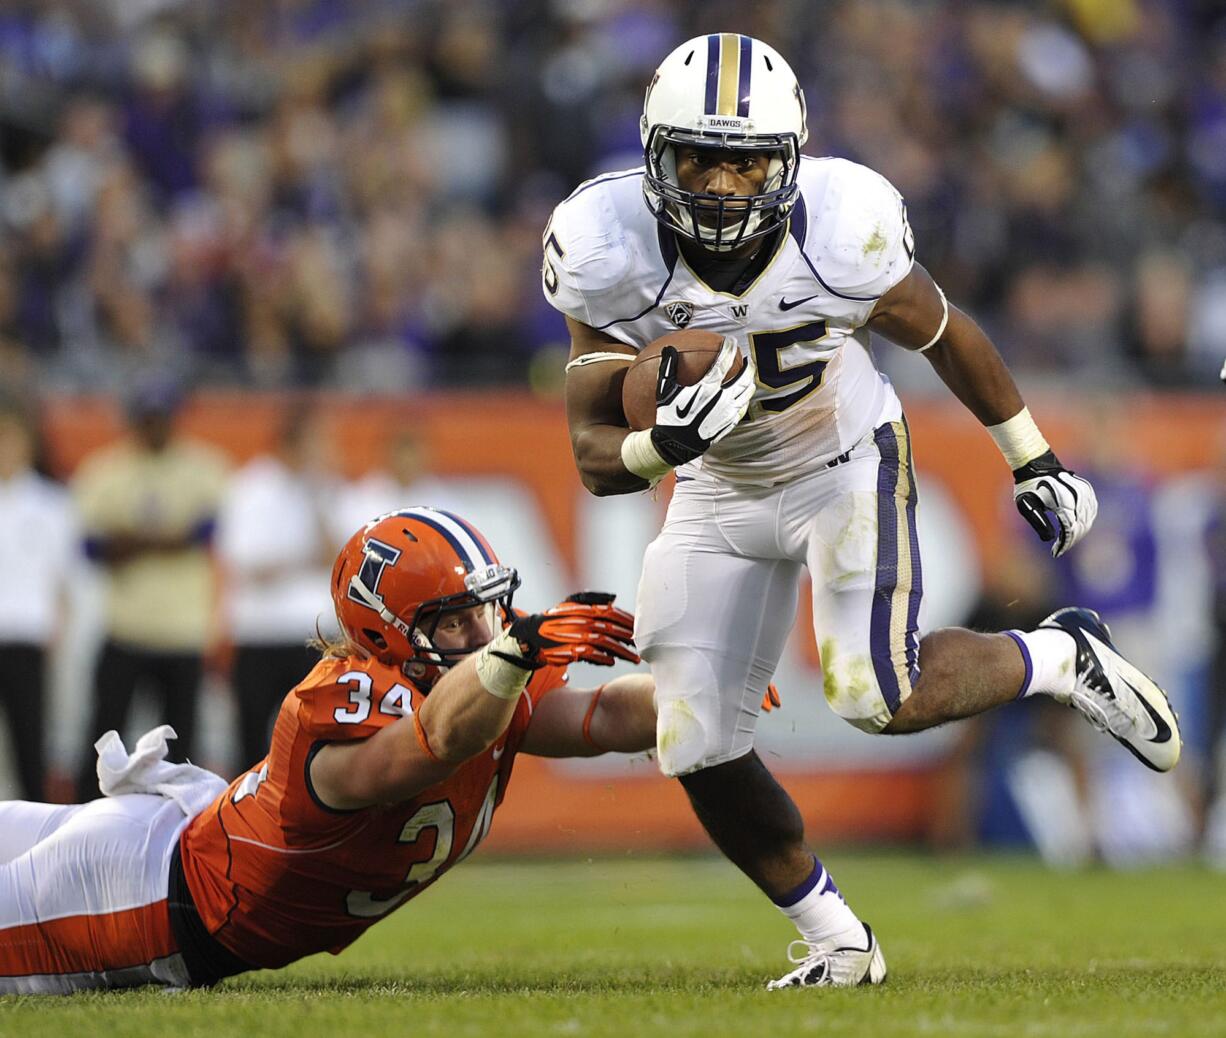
x=498 y=751
x=791 y=304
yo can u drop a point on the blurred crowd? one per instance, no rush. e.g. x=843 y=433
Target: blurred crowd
x=199 y=569
x=318 y=192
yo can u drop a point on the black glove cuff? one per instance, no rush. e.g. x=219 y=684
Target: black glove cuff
x=518 y=661
x=673 y=451
x=591 y=598
x=1043 y=465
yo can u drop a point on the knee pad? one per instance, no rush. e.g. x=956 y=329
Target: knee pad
x=852 y=688
x=690 y=729
x=681 y=738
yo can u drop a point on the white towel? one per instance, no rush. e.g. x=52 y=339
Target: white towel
x=146 y=770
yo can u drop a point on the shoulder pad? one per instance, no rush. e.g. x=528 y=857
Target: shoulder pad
x=343 y=699
x=585 y=248
x=859 y=239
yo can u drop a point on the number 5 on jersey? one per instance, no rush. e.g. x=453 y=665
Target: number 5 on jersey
x=779 y=370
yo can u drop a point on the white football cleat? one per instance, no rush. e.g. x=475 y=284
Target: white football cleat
x=1115 y=696
x=826 y=965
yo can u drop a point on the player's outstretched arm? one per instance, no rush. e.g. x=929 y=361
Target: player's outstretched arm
x=618 y=717
x=915 y=315
x=459 y=719
x=471 y=705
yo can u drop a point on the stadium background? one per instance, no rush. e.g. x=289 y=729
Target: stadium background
x=273 y=199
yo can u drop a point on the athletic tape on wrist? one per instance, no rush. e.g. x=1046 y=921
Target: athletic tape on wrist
x=1019 y=439
x=640 y=456
x=498 y=677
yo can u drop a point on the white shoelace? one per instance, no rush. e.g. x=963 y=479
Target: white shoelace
x=809 y=950
x=1096 y=714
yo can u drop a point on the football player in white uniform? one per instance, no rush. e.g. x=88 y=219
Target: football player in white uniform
x=804 y=459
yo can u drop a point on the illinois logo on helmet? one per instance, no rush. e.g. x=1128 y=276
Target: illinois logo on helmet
x=400 y=574
x=723 y=91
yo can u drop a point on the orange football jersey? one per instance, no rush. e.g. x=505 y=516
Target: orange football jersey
x=276 y=875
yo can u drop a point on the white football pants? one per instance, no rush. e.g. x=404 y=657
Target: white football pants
x=718 y=596
x=83 y=895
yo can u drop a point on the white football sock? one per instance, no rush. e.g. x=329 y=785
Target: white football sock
x=1051 y=662
x=819 y=911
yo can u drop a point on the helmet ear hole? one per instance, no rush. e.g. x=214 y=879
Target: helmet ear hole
x=376 y=638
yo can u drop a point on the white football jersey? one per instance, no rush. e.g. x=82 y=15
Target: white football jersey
x=610 y=265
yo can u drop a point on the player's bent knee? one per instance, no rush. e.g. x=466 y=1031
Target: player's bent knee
x=681 y=739
x=689 y=734
x=855 y=691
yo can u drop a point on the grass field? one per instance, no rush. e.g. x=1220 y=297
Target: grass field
x=677 y=947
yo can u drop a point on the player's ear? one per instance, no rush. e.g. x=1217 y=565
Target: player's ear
x=666 y=378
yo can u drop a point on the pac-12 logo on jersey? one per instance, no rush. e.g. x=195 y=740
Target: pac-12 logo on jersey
x=681 y=314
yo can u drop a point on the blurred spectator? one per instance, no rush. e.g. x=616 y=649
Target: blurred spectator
x=1019 y=775
x=1215 y=778
x=276 y=543
x=38 y=551
x=1118 y=573
x=149 y=508
x=404 y=480
x=323 y=193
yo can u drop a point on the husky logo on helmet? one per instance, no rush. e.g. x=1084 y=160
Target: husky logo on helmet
x=402 y=573
x=681 y=314
x=730 y=92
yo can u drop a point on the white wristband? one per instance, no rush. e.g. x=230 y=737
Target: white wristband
x=1019 y=439
x=498 y=677
x=640 y=456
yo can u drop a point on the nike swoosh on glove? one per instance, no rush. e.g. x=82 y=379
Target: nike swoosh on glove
x=586 y=628
x=689 y=419
x=1044 y=485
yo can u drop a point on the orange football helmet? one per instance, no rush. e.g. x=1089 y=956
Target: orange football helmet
x=402 y=572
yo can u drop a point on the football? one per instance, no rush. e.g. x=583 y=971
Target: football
x=696 y=352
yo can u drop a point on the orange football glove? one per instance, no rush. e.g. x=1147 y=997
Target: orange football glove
x=586 y=628
x=771 y=700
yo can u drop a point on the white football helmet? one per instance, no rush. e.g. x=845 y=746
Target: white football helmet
x=723 y=91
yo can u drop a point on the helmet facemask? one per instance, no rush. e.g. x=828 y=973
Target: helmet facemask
x=705 y=218
x=492 y=586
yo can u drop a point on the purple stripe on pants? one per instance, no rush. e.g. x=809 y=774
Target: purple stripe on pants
x=887 y=567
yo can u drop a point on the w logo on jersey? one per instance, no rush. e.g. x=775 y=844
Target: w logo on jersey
x=681 y=314
x=378 y=557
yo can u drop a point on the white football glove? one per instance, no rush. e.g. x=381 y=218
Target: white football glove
x=1044 y=485
x=689 y=419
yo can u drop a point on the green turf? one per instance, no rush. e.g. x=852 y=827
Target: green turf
x=681 y=947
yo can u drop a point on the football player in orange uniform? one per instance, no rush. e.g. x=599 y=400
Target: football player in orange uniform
x=386 y=766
